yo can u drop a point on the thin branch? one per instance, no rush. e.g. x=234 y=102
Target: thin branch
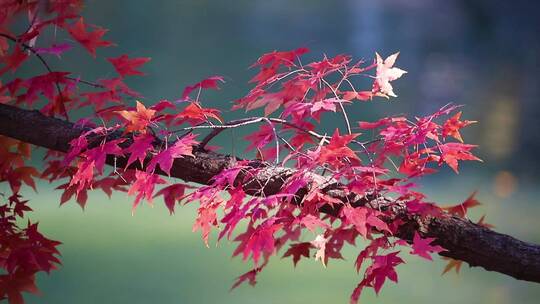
x=38 y=55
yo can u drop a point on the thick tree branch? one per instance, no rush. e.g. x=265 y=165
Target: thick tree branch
x=463 y=239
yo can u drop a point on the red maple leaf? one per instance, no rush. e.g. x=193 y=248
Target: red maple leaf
x=286 y=58
x=250 y=276
x=451 y=126
x=23 y=174
x=336 y=150
x=452 y=152
x=12 y=286
x=128 y=66
x=172 y=194
x=297 y=251
x=461 y=209
x=13 y=61
x=260 y=138
x=91 y=40
x=259 y=240
x=208 y=83
x=382 y=268
x=195 y=114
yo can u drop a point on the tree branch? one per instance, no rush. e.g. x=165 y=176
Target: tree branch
x=462 y=239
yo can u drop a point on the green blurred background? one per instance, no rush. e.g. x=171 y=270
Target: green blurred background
x=479 y=53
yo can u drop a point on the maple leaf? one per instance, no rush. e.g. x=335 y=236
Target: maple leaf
x=196 y=114
x=260 y=138
x=482 y=222
x=69 y=191
x=261 y=240
x=423 y=208
x=356 y=217
x=143 y=187
x=12 y=286
x=421 y=247
x=13 y=61
x=208 y=83
x=452 y=264
x=461 y=209
x=227 y=177
x=128 y=66
x=382 y=268
x=386 y=73
x=286 y=58
x=312 y=222
x=138 y=150
x=172 y=194
x=452 y=152
x=23 y=174
x=320 y=244
x=325 y=105
x=139 y=119
x=250 y=276
x=451 y=126
x=362 y=219
x=108 y=184
x=413 y=165
x=362 y=95
x=370 y=250
x=98 y=155
x=297 y=251
x=91 y=40
x=236 y=213
x=162 y=105
x=182 y=147
x=373 y=125
x=337 y=149
x=117 y=85
x=55 y=49
x=206 y=219
x=84 y=176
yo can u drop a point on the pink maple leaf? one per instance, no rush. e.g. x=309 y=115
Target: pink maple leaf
x=312 y=222
x=138 y=150
x=143 y=187
x=128 y=66
x=421 y=247
x=182 y=147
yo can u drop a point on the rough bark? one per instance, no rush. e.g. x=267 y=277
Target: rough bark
x=463 y=240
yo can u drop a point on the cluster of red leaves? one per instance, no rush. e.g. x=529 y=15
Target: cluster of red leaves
x=24 y=251
x=376 y=159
